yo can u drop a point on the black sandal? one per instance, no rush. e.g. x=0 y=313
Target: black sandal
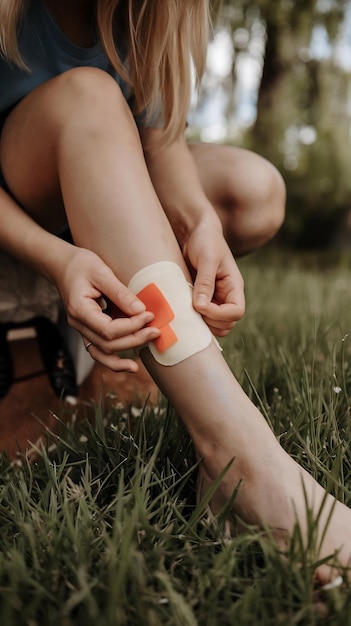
x=57 y=360
x=6 y=366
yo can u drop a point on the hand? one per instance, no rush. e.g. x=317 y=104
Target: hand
x=84 y=279
x=219 y=287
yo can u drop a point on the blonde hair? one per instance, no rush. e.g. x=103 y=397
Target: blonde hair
x=164 y=39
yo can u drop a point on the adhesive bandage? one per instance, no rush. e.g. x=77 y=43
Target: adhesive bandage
x=163 y=288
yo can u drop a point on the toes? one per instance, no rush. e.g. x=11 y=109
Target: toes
x=333 y=584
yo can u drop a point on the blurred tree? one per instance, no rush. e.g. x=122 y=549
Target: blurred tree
x=302 y=121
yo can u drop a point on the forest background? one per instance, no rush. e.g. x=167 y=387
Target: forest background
x=278 y=81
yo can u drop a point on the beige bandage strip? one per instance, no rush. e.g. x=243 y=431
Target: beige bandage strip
x=165 y=292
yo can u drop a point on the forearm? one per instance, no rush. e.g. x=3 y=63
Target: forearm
x=176 y=181
x=24 y=239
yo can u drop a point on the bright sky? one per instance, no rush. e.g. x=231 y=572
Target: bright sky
x=211 y=117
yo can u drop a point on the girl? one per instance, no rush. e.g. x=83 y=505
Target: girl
x=93 y=101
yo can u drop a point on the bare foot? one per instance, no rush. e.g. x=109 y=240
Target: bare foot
x=280 y=495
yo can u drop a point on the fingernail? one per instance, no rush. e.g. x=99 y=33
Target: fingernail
x=334 y=584
x=138 y=306
x=149 y=318
x=102 y=302
x=154 y=335
x=201 y=301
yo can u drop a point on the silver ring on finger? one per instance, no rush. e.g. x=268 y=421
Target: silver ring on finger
x=87 y=345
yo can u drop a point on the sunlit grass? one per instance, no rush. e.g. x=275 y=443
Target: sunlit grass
x=103 y=528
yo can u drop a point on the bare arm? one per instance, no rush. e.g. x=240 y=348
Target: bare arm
x=175 y=178
x=218 y=291
x=81 y=278
x=24 y=239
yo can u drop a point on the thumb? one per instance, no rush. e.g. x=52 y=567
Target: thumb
x=120 y=295
x=204 y=286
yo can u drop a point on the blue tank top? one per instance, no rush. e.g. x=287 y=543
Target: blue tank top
x=47 y=53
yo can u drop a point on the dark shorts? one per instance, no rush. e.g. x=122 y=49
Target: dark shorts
x=3 y=184
x=3 y=117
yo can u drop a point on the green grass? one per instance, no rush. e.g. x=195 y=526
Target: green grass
x=103 y=528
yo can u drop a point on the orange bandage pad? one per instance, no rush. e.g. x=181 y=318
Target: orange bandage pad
x=164 y=290
x=157 y=304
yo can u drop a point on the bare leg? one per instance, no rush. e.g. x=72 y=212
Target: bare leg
x=87 y=148
x=245 y=189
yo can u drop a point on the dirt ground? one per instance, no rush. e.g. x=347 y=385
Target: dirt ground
x=29 y=407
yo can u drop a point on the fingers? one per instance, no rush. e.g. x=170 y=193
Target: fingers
x=98 y=324
x=226 y=308
x=112 y=361
x=109 y=336
x=105 y=350
x=119 y=294
x=112 y=336
x=222 y=318
x=129 y=341
x=88 y=289
x=219 y=293
x=204 y=285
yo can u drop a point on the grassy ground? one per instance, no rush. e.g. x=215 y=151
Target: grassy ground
x=103 y=528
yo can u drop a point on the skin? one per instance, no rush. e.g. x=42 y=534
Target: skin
x=71 y=151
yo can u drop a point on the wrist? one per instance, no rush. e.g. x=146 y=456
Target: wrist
x=59 y=260
x=52 y=253
x=200 y=219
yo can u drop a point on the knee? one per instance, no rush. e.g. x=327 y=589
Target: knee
x=270 y=202
x=88 y=92
x=257 y=209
